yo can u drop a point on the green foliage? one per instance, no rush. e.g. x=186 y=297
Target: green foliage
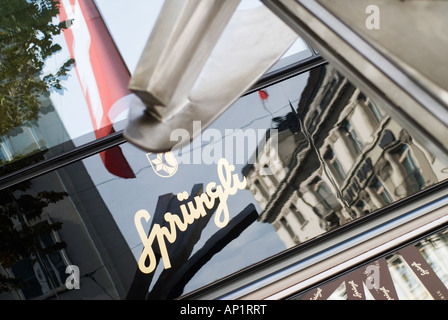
x=27 y=31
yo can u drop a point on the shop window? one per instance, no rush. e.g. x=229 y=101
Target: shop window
x=104 y=202
x=45 y=105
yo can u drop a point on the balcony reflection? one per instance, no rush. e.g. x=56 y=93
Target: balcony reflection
x=339 y=157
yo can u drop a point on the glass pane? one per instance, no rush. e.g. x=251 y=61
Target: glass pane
x=70 y=86
x=281 y=166
x=63 y=80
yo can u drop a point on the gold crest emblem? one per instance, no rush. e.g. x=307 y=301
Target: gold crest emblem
x=164 y=164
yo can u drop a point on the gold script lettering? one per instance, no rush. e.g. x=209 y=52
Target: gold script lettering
x=386 y=293
x=317 y=295
x=418 y=266
x=354 y=286
x=191 y=211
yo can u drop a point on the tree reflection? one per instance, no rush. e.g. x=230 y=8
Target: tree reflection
x=21 y=229
x=27 y=30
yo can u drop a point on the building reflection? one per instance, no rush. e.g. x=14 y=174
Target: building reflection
x=338 y=157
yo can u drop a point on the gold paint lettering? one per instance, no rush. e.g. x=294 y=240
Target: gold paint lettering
x=226 y=189
x=148 y=252
x=174 y=218
x=354 y=286
x=208 y=201
x=230 y=184
x=188 y=218
x=162 y=232
x=386 y=293
x=197 y=211
x=419 y=267
x=317 y=295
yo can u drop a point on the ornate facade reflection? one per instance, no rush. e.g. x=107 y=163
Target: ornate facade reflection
x=339 y=157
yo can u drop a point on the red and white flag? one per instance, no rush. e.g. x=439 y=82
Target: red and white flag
x=102 y=74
